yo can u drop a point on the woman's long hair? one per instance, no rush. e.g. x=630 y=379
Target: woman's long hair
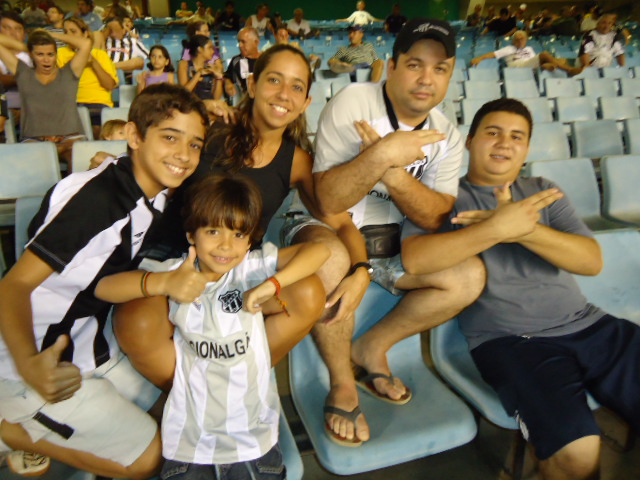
x=242 y=138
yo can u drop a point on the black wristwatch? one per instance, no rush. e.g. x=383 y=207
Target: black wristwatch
x=359 y=265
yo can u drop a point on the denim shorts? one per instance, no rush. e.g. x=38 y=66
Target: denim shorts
x=268 y=467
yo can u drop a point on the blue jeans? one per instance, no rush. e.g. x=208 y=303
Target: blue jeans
x=267 y=467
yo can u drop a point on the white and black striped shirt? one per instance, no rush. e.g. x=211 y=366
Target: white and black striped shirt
x=90 y=225
x=125 y=49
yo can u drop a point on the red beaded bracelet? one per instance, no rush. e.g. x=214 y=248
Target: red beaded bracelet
x=282 y=303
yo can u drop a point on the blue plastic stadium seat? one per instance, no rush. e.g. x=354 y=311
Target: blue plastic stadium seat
x=539 y=108
x=562 y=87
x=548 y=142
x=486 y=90
x=574 y=109
x=433 y=421
x=521 y=89
x=595 y=139
x=631 y=135
x=619 y=108
x=620 y=193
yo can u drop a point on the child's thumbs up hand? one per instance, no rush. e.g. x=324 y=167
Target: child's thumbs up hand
x=54 y=380
x=186 y=283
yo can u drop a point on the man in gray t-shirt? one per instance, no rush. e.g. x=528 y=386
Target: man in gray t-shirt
x=534 y=337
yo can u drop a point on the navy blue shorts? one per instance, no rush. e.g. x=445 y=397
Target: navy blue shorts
x=543 y=380
x=268 y=467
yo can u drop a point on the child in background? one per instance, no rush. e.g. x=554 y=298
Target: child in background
x=160 y=68
x=113 y=130
x=223 y=362
x=66 y=389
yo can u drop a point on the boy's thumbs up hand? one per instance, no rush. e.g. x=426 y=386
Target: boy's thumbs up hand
x=54 y=380
x=186 y=283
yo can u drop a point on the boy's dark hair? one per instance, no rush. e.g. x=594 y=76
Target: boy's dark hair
x=510 y=105
x=11 y=15
x=223 y=200
x=157 y=102
x=60 y=11
x=40 y=37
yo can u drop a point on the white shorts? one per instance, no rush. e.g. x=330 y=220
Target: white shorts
x=106 y=417
x=533 y=62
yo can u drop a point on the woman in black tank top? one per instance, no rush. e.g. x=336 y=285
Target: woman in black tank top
x=268 y=143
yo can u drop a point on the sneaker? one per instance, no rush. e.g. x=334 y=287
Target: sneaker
x=28 y=464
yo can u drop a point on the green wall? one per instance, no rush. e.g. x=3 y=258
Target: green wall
x=331 y=9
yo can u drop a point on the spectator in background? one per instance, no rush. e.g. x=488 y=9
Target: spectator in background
x=491 y=14
x=502 y=26
x=590 y=20
x=183 y=11
x=198 y=75
x=475 y=19
x=261 y=21
x=283 y=38
x=228 y=20
x=48 y=93
x=541 y=24
x=360 y=17
x=113 y=130
x=395 y=21
x=116 y=10
x=12 y=25
x=98 y=78
x=126 y=53
x=521 y=55
x=33 y=15
x=88 y=15
x=357 y=54
x=298 y=27
x=133 y=10
x=160 y=68
x=55 y=19
x=566 y=25
x=201 y=15
x=241 y=66
x=600 y=46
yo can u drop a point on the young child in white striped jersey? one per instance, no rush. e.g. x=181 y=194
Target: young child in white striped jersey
x=221 y=418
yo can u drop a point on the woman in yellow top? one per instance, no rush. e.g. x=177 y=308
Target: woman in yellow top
x=99 y=77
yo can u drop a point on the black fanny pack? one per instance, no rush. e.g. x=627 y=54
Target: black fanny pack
x=382 y=241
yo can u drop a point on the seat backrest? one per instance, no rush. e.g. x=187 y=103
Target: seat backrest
x=596 y=138
x=631 y=135
x=28 y=169
x=469 y=108
x=448 y=108
x=454 y=91
x=127 y=94
x=620 y=193
x=574 y=109
x=615 y=72
x=577 y=179
x=517 y=73
x=82 y=152
x=619 y=108
x=539 y=108
x=482 y=89
x=600 y=87
x=521 y=89
x=114 y=114
x=630 y=87
x=544 y=74
x=26 y=208
x=562 y=87
x=320 y=91
x=548 y=142
x=484 y=74
x=339 y=83
x=313 y=115
x=85 y=119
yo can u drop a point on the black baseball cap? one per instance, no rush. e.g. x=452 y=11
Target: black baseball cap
x=421 y=28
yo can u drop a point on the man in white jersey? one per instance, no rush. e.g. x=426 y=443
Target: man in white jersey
x=600 y=46
x=381 y=175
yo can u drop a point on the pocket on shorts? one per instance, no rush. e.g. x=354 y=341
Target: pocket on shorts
x=174 y=470
x=270 y=465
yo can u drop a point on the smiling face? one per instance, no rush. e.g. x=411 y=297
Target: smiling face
x=498 y=149
x=418 y=81
x=168 y=154
x=280 y=92
x=219 y=249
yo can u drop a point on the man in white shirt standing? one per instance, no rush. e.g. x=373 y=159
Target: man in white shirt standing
x=360 y=16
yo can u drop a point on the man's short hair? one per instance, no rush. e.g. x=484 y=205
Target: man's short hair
x=157 y=102
x=11 y=15
x=88 y=2
x=107 y=21
x=510 y=105
x=504 y=11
